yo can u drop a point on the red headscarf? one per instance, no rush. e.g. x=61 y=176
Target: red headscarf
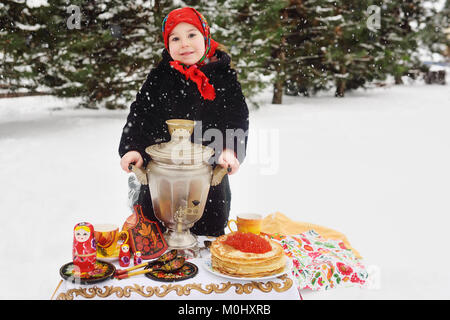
x=192 y=16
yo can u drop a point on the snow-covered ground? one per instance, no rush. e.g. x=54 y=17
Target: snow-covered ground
x=373 y=165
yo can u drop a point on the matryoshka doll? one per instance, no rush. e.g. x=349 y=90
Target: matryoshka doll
x=137 y=258
x=124 y=255
x=84 y=251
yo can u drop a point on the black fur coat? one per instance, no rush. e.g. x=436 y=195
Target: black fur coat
x=166 y=94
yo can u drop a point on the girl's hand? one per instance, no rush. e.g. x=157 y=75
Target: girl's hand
x=129 y=158
x=228 y=158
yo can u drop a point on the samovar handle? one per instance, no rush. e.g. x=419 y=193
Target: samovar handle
x=140 y=173
x=218 y=174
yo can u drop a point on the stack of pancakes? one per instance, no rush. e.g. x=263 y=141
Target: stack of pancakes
x=230 y=261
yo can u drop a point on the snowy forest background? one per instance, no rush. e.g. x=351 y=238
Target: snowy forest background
x=103 y=50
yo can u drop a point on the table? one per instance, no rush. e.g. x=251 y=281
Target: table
x=205 y=285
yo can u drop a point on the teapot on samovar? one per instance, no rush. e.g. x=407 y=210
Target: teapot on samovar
x=179 y=177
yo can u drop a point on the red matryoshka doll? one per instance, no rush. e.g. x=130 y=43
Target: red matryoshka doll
x=124 y=255
x=84 y=251
x=137 y=258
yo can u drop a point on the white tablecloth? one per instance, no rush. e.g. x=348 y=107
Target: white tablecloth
x=204 y=286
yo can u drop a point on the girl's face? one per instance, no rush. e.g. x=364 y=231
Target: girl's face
x=186 y=44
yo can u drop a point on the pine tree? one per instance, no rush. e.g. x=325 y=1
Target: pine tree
x=433 y=35
x=253 y=31
x=108 y=57
x=104 y=59
x=399 y=36
x=308 y=40
x=330 y=46
x=17 y=49
x=350 y=57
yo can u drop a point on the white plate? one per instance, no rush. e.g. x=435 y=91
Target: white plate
x=208 y=266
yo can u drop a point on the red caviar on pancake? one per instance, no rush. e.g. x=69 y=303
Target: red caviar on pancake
x=248 y=242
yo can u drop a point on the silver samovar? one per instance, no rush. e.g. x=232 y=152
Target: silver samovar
x=179 y=177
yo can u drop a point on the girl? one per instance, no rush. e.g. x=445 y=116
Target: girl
x=193 y=81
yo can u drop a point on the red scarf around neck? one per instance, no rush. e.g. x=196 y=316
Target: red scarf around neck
x=195 y=74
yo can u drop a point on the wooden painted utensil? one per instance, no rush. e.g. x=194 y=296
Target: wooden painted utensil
x=166 y=257
x=171 y=266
